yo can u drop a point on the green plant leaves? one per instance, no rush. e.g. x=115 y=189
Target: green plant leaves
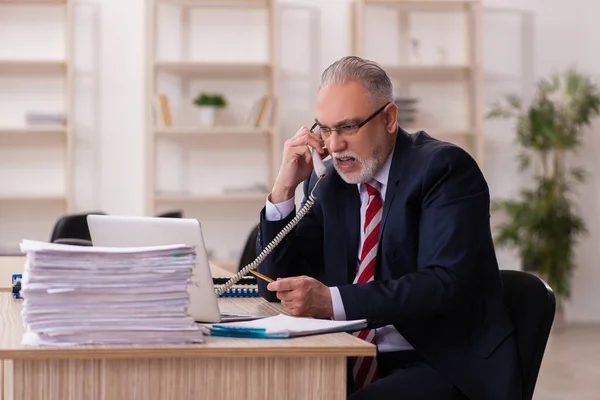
x=542 y=223
x=205 y=99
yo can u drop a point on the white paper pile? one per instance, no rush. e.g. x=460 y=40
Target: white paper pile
x=107 y=295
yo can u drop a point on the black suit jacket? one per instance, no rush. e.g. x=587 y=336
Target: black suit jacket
x=436 y=274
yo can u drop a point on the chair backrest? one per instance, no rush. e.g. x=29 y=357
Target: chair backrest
x=532 y=306
x=171 y=214
x=249 y=252
x=73 y=226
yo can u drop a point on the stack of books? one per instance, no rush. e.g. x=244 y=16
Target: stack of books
x=407 y=110
x=34 y=118
x=77 y=295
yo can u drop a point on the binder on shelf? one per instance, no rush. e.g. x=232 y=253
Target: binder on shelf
x=262 y=112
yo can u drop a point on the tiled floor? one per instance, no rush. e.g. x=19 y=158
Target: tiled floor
x=571 y=366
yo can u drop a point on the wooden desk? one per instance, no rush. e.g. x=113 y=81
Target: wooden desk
x=312 y=367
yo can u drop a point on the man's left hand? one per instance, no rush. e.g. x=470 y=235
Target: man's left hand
x=303 y=296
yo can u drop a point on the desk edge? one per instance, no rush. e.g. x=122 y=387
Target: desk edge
x=186 y=352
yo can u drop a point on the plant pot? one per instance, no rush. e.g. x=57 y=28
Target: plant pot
x=207 y=115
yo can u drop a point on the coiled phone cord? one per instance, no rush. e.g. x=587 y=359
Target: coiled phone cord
x=267 y=250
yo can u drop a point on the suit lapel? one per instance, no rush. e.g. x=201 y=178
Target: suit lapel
x=349 y=216
x=399 y=160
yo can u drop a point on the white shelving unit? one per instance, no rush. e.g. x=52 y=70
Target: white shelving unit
x=36 y=75
x=216 y=69
x=186 y=132
x=405 y=72
x=230 y=198
x=185 y=167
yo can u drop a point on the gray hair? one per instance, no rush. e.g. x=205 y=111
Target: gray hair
x=373 y=78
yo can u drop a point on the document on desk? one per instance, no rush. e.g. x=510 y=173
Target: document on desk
x=283 y=326
x=103 y=295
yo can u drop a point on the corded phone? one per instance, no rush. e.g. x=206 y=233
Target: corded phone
x=320 y=171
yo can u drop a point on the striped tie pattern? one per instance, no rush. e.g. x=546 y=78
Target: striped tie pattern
x=364 y=369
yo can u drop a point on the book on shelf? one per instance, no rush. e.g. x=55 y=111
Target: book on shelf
x=162 y=111
x=262 y=113
x=36 y=118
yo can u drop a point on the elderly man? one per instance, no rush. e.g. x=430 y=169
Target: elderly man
x=399 y=235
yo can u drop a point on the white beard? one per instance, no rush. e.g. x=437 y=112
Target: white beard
x=368 y=168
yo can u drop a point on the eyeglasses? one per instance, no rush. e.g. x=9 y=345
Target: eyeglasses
x=345 y=129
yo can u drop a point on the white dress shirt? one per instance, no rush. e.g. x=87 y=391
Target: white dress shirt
x=387 y=337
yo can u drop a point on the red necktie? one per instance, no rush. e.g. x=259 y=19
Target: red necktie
x=364 y=369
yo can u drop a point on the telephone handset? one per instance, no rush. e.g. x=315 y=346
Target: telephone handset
x=318 y=165
x=320 y=171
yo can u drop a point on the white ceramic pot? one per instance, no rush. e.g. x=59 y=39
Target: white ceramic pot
x=207 y=115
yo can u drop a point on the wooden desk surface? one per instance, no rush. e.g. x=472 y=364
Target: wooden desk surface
x=337 y=344
x=266 y=369
x=12 y=329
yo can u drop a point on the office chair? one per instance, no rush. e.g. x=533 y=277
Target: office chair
x=73 y=229
x=171 y=214
x=532 y=305
x=249 y=252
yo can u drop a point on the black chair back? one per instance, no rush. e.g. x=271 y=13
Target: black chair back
x=249 y=252
x=73 y=229
x=171 y=214
x=532 y=306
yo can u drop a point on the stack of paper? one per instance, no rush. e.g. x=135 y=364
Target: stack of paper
x=105 y=295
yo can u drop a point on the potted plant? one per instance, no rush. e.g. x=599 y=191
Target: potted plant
x=542 y=223
x=208 y=105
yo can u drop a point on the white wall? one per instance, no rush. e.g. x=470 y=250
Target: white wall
x=111 y=159
x=562 y=38
x=122 y=107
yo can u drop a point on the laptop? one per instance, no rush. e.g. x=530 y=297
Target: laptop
x=130 y=231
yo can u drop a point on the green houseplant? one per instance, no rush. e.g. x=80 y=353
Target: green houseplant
x=542 y=223
x=208 y=104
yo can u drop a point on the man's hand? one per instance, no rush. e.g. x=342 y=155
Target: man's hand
x=303 y=296
x=296 y=164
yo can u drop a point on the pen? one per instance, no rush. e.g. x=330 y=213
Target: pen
x=261 y=276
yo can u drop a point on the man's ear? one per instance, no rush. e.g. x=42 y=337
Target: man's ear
x=390 y=118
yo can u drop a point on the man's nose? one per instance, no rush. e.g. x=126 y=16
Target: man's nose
x=336 y=143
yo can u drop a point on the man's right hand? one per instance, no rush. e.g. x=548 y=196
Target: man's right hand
x=296 y=164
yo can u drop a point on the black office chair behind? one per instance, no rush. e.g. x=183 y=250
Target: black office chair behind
x=73 y=229
x=249 y=252
x=532 y=306
x=171 y=214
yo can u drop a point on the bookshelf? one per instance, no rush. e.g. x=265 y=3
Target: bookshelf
x=217 y=131
x=427 y=64
x=216 y=69
x=36 y=132
x=232 y=198
x=216 y=172
x=32 y=66
x=36 y=88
